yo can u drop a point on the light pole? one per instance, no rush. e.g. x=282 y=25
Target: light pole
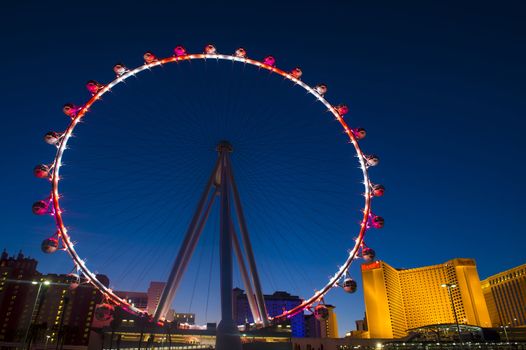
x=30 y=323
x=450 y=286
x=506 y=333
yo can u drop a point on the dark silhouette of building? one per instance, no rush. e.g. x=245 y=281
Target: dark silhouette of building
x=361 y=325
x=37 y=308
x=17 y=295
x=137 y=299
x=275 y=304
x=181 y=317
x=67 y=309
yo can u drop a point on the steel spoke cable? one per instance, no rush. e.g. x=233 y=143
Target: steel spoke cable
x=138 y=229
x=268 y=223
x=261 y=211
x=197 y=275
x=168 y=199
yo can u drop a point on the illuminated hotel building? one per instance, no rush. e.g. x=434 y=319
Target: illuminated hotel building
x=505 y=295
x=400 y=299
x=275 y=303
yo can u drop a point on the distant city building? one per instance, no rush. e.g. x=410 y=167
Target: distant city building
x=154 y=294
x=313 y=327
x=148 y=301
x=137 y=299
x=179 y=317
x=400 y=299
x=361 y=325
x=505 y=295
x=361 y=331
x=38 y=308
x=322 y=328
x=275 y=304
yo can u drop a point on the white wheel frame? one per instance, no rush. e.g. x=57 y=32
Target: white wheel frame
x=57 y=163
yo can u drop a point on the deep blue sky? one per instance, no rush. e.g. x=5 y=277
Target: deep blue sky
x=438 y=85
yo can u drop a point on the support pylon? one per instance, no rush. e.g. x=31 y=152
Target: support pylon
x=222 y=180
x=227 y=336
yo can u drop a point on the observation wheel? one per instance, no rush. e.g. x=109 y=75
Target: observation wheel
x=221 y=184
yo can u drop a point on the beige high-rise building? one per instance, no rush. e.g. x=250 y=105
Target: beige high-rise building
x=400 y=299
x=327 y=328
x=331 y=323
x=154 y=294
x=505 y=295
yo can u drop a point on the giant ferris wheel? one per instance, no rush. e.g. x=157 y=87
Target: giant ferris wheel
x=219 y=189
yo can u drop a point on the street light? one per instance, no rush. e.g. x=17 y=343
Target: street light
x=506 y=333
x=46 y=283
x=450 y=286
x=47 y=340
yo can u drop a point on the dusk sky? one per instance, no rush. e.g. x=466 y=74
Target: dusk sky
x=439 y=86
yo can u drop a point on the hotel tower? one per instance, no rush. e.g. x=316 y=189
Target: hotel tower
x=505 y=295
x=397 y=300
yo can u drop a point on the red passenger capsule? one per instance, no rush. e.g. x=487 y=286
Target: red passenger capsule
x=372 y=160
x=210 y=49
x=321 y=89
x=359 y=133
x=120 y=69
x=342 y=109
x=73 y=280
x=296 y=73
x=349 y=285
x=93 y=87
x=149 y=57
x=377 y=222
x=269 y=61
x=179 y=51
x=241 y=52
x=49 y=245
x=40 y=207
x=70 y=110
x=321 y=312
x=41 y=171
x=378 y=190
x=368 y=254
x=52 y=137
x=104 y=312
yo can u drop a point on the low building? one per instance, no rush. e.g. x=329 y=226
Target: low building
x=137 y=299
x=181 y=317
x=505 y=295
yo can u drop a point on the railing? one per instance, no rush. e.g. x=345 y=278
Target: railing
x=453 y=346
x=166 y=347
